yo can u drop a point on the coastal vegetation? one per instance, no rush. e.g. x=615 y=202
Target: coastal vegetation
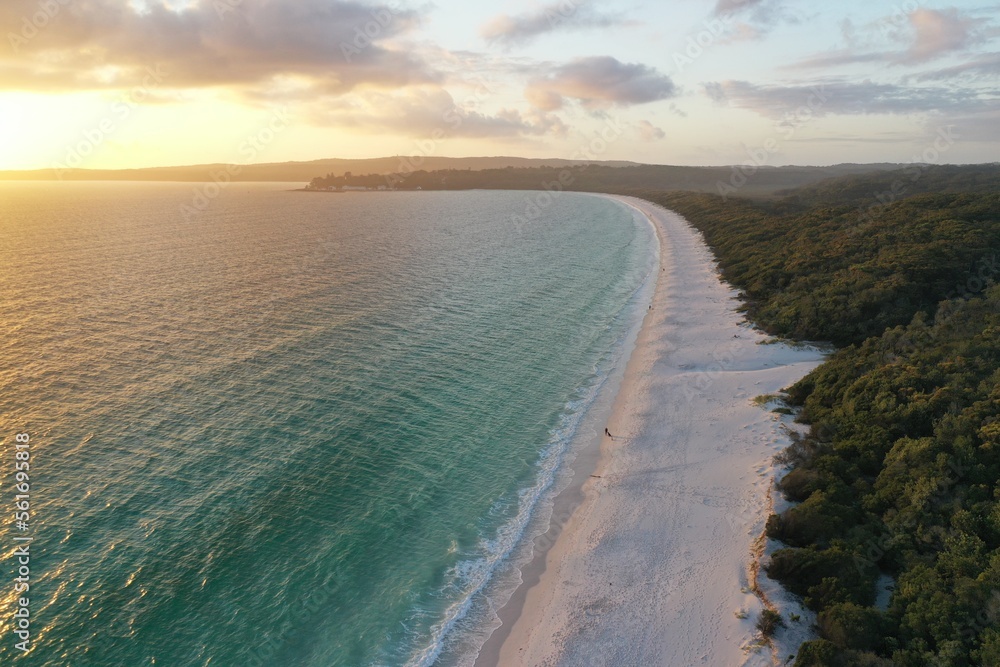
x=590 y=177
x=842 y=272
x=769 y=622
x=899 y=473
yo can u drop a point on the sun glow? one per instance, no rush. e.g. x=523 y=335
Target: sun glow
x=27 y=125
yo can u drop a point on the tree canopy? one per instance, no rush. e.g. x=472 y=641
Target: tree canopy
x=899 y=473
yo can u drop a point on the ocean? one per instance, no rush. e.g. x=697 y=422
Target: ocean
x=294 y=429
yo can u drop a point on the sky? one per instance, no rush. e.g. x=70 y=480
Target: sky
x=137 y=83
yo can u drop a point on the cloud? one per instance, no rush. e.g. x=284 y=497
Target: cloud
x=649 y=132
x=757 y=18
x=841 y=97
x=510 y=30
x=937 y=33
x=870 y=138
x=597 y=83
x=838 y=58
x=979 y=127
x=986 y=66
x=744 y=32
x=717 y=92
x=430 y=111
x=928 y=34
x=338 y=44
x=726 y=7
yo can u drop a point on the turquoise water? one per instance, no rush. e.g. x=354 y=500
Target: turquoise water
x=293 y=429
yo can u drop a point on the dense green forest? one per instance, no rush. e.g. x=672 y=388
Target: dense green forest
x=830 y=272
x=748 y=181
x=899 y=473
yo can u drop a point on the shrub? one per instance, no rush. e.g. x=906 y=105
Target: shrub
x=817 y=653
x=769 y=622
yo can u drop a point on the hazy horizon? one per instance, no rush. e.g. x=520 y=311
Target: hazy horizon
x=536 y=161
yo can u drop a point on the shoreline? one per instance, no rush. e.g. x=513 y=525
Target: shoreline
x=650 y=551
x=582 y=465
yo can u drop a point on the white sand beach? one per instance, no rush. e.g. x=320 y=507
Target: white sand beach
x=652 y=567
